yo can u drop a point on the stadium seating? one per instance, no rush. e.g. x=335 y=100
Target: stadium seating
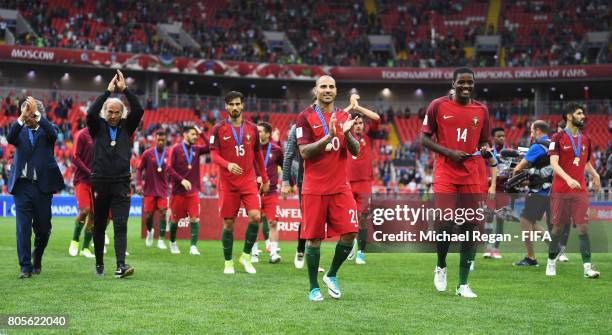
x=425 y=33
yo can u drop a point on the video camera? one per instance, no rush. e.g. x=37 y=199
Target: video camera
x=507 y=160
x=538 y=176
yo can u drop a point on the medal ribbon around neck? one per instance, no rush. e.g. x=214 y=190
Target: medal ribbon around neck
x=160 y=160
x=188 y=156
x=574 y=146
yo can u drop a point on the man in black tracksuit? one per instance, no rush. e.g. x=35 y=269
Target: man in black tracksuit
x=111 y=128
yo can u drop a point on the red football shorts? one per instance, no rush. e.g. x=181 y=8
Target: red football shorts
x=566 y=206
x=337 y=212
x=151 y=204
x=457 y=196
x=185 y=206
x=362 y=193
x=268 y=206
x=230 y=203
x=82 y=192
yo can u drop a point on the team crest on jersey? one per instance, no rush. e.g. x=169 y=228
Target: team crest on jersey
x=248 y=138
x=475 y=121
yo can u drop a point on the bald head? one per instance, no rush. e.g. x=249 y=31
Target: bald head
x=325 y=90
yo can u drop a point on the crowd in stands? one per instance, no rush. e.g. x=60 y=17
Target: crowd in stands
x=426 y=33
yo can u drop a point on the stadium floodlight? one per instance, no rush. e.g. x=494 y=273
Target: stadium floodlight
x=386 y=92
x=129 y=80
x=284 y=87
x=215 y=84
x=66 y=76
x=252 y=86
x=98 y=79
x=553 y=88
x=161 y=83
x=418 y=92
x=586 y=88
x=485 y=90
x=31 y=74
x=519 y=89
x=191 y=82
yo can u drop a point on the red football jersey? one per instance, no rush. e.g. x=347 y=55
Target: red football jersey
x=222 y=140
x=155 y=182
x=275 y=159
x=561 y=146
x=360 y=166
x=457 y=127
x=324 y=173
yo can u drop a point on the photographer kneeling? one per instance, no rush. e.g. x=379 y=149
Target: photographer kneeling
x=535 y=168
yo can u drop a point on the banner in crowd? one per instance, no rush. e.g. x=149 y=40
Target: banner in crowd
x=518 y=74
x=297 y=72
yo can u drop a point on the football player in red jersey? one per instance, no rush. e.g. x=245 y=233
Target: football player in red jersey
x=273 y=158
x=82 y=157
x=235 y=148
x=154 y=187
x=184 y=174
x=502 y=199
x=460 y=126
x=361 y=172
x=325 y=141
x=570 y=154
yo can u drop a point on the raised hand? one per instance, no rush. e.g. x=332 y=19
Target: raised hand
x=354 y=100
x=332 y=125
x=112 y=84
x=348 y=124
x=121 y=85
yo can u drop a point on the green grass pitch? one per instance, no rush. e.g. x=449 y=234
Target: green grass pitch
x=393 y=293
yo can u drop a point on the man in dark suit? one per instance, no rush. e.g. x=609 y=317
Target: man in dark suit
x=34 y=177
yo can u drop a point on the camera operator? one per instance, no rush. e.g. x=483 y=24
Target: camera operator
x=537 y=202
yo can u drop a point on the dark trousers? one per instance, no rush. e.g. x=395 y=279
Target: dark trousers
x=33 y=211
x=113 y=197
